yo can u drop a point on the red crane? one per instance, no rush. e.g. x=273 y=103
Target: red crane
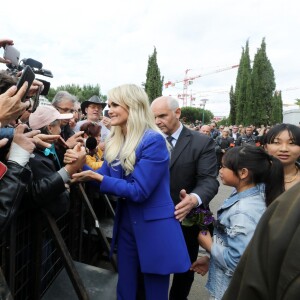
x=189 y=80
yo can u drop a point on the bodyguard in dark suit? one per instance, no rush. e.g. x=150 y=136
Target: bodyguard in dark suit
x=193 y=171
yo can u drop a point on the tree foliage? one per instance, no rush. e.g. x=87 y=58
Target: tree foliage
x=82 y=93
x=232 y=99
x=254 y=100
x=154 y=82
x=263 y=81
x=276 y=115
x=244 y=73
x=191 y=114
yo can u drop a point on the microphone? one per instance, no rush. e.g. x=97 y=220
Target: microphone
x=91 y=143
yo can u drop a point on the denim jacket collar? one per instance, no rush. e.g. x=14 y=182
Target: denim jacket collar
x=235 y=197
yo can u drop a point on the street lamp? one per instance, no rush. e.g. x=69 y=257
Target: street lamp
x=203 y=102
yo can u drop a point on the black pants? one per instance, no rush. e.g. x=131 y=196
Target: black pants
x=182 y=282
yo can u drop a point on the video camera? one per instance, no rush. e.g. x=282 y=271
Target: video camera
x=11 y=53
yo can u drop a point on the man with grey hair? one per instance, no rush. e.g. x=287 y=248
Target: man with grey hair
x=64 y=102
x=193 y=172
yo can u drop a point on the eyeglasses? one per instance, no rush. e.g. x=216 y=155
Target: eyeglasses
x=65 y=110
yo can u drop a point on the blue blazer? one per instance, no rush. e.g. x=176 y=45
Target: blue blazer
x=146 y=193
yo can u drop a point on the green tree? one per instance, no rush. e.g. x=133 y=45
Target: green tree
x=244 y=73
x=154 y=82
x=232 y=114
x=82 y=93
x=249 y=108
x=277 y=116
x=263 y=85
x=191 y=114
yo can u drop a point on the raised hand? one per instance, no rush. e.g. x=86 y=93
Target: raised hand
x=187 y=202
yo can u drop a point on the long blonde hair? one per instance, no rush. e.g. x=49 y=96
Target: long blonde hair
x=140 y=118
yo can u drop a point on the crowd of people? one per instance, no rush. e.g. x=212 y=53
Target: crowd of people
x=159 y=170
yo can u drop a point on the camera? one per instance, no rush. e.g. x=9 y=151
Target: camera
x=36 y=67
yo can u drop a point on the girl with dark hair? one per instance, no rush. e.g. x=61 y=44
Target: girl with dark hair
x=283 y=142
x=258 y=179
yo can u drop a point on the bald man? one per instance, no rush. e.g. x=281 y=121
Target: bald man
x=193 y=171
x=205 y=129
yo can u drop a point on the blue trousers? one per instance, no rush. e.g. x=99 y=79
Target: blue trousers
x=156 y=285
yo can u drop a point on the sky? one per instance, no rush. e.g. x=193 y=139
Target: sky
x=109 y=42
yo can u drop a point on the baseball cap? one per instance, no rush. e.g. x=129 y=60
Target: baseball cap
x=45 y=115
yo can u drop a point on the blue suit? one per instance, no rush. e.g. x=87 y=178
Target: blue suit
x=145 y=230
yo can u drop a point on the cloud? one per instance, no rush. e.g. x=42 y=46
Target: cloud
x=109 y=42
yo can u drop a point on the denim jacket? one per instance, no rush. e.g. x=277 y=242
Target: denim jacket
x=236 y=221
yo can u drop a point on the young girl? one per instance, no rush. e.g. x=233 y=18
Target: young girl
x=283 y=142
x=258 y=179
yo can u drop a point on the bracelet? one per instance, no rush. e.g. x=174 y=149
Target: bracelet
x=67 y=172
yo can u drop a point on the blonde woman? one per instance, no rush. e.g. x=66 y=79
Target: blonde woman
x=135 y=169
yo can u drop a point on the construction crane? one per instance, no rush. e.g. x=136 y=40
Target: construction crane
x=189 y=80
x=289 y=104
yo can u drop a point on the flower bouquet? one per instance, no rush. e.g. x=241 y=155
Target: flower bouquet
x=201 y=217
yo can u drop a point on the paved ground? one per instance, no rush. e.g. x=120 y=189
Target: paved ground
x=198 y=291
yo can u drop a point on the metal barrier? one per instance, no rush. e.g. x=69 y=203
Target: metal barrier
x=29 y=255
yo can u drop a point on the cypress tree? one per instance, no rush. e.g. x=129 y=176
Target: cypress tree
x=263 y=84
x=250 y=109
x=154 y=82
x=244 y=73
x=277 y=116
x=232 y=114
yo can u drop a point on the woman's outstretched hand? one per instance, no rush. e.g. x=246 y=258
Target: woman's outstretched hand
x=86 y=176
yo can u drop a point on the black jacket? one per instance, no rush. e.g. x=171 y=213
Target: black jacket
x=47 y=188
x=12 y=188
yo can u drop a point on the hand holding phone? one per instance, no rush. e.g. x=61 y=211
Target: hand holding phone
x=106 y=114
x=27 y=75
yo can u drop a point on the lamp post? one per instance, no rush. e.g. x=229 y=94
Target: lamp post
x=203 y=105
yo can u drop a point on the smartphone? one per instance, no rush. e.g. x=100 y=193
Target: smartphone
x=62 y=142
x=3 y=169
x=27 y=75
x=106 y=114
x=11 y=53
x=36 y=100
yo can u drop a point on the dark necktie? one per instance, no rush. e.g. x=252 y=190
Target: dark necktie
x=170 y=139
